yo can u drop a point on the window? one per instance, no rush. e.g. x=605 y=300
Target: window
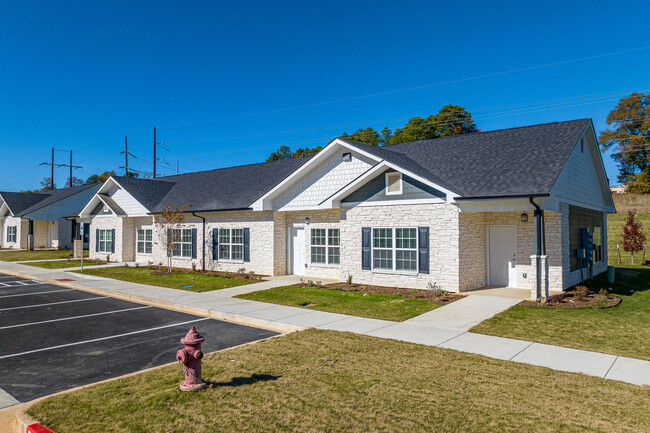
x=231 y=244
x=182 y=243
x=326 y=246
x=105 y=241
x=598 y=245
x=145 y=241
x=393 y=183
x=395 y=249
x=11 y=234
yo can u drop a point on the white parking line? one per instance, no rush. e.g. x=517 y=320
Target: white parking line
x=75 y=317
x=36 y=293
x=20 y=283
x=102 y=338
x=53 y=303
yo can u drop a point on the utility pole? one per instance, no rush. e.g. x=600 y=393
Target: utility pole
x=126 y=157
x=70 y=168
x=154 y=152
x=51 y=164
x=177 y=169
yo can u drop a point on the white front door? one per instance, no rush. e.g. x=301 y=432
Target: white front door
x=297 y=253
x=502 y=256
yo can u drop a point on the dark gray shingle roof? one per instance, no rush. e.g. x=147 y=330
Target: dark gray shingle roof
x=57 y=195
x=506 y=162
x=221 y=189
x=19 y=201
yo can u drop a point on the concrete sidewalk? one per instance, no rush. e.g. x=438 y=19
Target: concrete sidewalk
x=220 y=305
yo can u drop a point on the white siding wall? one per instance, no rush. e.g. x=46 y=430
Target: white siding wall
x=322 y=181
x=579 y=183
x=126 y=201
x=22 y=229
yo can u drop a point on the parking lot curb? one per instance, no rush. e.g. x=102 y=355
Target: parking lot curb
x=238 y=319
x=21 y=420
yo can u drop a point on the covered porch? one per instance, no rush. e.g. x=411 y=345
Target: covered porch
x=510 y=248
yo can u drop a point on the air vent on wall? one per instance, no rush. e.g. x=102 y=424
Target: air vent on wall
x=347 y=156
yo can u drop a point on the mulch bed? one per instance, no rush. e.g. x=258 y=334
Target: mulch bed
x=244 y=276
x=570 y=299
x=429 y=295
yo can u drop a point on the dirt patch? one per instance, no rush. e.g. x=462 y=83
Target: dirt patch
x=244 y=276
x=576 y=298
x=430 y=295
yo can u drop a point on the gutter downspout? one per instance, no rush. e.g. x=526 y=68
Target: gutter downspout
x=541 y=248
x=202 y=242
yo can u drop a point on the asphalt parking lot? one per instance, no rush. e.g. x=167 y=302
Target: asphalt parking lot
x=53 y=338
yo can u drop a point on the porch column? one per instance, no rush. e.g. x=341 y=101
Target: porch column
x=543 y=276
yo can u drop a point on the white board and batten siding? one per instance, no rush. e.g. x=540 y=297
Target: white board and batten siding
x=322 y=181
x=582 y=181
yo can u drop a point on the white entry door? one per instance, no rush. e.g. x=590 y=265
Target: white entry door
x=297 y=253
x=502 y=256
x=52 y=235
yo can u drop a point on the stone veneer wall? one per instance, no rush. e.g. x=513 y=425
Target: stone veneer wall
x=107 y=223
x=261 y=241
x=41 y=229
x=473 y=247
x=328 y=218
x=443 y=222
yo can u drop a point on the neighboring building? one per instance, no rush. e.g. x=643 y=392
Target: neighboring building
x=43 y=215
x=618 y=189
x=456 y=211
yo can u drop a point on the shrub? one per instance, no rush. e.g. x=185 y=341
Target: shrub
x=436 y=289
x=241 y=271
x=193 y=266
x=349 y=279
x=580 y=292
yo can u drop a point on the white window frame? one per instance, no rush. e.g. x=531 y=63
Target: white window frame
x=180 y=243
x=328 y=245
x=105 y=245
x=230 y=244
x=144 y=242
x=400 y=182
x=393 y=248
x=13 y=235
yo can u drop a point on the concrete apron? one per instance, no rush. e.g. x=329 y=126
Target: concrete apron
x=15 y=419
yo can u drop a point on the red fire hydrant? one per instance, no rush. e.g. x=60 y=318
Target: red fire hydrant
x=190 y=358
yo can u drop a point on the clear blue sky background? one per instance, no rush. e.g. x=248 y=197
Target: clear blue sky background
x=227 y=83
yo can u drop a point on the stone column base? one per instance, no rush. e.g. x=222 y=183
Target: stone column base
x=30 y=242
x=544 y=273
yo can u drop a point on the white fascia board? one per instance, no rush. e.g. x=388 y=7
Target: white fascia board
x=104 y=188
x=335 y=199
x=5 y=211
x=148 y=211
x=394 y=202
x=506 y=204
x=5 y=206
x=450 y=194
x=94 y=201
x=266 y=201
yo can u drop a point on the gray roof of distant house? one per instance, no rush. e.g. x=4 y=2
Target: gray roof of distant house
x=57 y=195
x=231 y=188
x=18 y=201
x=507 y=162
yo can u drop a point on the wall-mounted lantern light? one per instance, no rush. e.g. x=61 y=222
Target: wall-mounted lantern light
x=524 y=217
x=307 y=220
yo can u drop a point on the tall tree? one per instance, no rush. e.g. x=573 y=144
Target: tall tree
x=633 y=236
x=284 y=152
x=628 y=133
x=450 y=120
x=97 y=178
x=367 y=136
x=167 y=222
x=75 y=182
x=46 y=184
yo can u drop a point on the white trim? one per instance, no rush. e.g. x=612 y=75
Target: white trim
x=395 y=202
x=84 y=213
x=394 y=250
x=387 y=183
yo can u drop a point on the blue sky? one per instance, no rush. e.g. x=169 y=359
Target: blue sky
x=228 y=83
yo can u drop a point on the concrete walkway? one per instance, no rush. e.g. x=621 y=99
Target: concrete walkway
x=466 y=313
x=269 y=283
x=220 y=305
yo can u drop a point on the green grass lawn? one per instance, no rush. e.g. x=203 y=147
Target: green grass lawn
x=615 y=223
x=60 y=264
x=326 y=381
x=16 y=256
x=621 y=330
x=376 y=306
x=199 y=283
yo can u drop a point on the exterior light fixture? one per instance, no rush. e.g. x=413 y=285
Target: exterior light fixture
x=524 y=217
x=307 y=220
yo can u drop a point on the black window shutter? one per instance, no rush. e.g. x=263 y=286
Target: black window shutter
x=365 y=248
x=247 y=245
x=112 y=240
x=423 y=250
x=97 y=240
x=215 y=244
x=193 y=243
